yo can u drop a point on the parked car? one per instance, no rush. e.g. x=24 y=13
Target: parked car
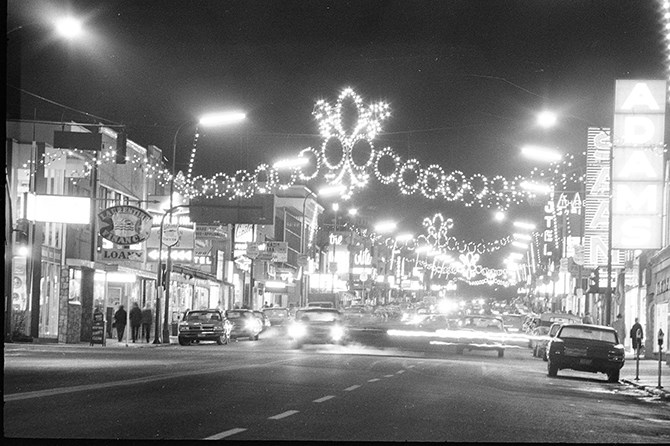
x=245 y=324
x=479 y=332
x=317 y=326
x=536 y=335
x=204 y=325
x=279 y=317
x=586 y=348
x=265 y=321
x=540 y=350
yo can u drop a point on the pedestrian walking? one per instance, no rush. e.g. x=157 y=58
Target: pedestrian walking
x=587 y=318
x=636 y=336
x=135 y=321
x=620 y=326
x=147 y=318
x=120 y=322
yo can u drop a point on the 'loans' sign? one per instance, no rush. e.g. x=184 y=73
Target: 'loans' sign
x=637 y=164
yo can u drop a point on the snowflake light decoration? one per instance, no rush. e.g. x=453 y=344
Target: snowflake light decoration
x=349 y=144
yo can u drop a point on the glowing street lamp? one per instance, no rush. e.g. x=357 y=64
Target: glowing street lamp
x=291 y=163
x=499 y=216
x=546 y=119
x=536 y=187
x=525 y=225
x=332 y=190
x=68 y=27
x=540 y=153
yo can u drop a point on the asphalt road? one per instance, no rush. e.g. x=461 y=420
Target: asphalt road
x=265 y=391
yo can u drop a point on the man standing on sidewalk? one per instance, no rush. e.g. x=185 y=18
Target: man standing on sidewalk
x=636 y=335
x=147 y=318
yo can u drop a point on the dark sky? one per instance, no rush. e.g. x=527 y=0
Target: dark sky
x=463 y=78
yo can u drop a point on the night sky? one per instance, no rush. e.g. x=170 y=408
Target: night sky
x=463 y=78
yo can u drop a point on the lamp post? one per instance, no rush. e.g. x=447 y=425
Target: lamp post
x=303 y=247
x=214 y=119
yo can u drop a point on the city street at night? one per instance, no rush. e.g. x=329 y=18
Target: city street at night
x=265 y=391
x=337 y=220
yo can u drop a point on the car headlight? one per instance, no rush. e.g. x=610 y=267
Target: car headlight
x=183 y=327
x=297 y=330
x=337 y=333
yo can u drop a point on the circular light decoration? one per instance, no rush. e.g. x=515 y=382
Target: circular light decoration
x=431 y=180
x=362 y=154
x=332 y=153
x=386 y=165
x=315 y=161
x=265 y=179
x=453 y=185
x=220 y=184
x=408 y=177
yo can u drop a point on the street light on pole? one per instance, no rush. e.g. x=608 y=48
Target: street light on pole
x=209 y=120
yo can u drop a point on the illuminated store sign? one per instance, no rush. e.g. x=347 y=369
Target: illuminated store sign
x=637 y=164
x=596 y=201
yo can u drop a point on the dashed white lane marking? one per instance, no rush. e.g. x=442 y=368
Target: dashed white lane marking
x=373 y=380
x=325 y=398
x=354 y=387
x=225 y=434
x=399 y=372
x=411 y=366
x=288 y=413
x=389 y=376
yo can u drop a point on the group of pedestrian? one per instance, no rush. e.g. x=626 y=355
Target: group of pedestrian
x=138 y=318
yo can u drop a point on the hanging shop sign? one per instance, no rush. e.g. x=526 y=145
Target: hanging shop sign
x=596 y=201
x=122 y=254
x=637 y=164
x=125 y=225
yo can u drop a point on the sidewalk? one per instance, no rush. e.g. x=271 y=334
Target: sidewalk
x=648 y=376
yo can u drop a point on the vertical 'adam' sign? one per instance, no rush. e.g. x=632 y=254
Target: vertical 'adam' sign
x=637 y=164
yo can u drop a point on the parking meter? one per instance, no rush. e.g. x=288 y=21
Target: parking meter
x=661 y=335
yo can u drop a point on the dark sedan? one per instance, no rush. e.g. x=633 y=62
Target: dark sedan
x=586 y=348
x=317 y=326
x=204 y=325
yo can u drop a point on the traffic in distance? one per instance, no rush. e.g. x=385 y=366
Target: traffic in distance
x=560 y=339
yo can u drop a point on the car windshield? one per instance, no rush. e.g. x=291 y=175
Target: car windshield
x=318 y=316
x=236 y=314
x=276 y=313
x=593 y=334
x=200 y=316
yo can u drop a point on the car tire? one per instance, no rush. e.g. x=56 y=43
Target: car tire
x=544 y=356
x=254 y=338
x=534 y=352
x=552 y=369
x=183 y=341
x=220 y=340
x=613 y=376
x=501 y=353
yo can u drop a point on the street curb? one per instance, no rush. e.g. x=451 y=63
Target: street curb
x=661 y=393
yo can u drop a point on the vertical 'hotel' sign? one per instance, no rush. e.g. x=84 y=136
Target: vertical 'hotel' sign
x=637 y=164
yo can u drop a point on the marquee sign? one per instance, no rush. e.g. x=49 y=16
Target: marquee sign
x=125 y=225
x=596 y=200
x=637 y=164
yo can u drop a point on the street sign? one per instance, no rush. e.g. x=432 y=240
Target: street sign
x=279 y=251
x=170 y=234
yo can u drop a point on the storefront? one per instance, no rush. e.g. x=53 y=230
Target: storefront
x=658 y=301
